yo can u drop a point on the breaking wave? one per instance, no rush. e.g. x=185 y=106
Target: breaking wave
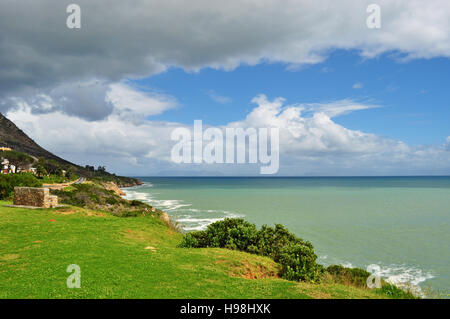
x=404 y=276
x=188 y=218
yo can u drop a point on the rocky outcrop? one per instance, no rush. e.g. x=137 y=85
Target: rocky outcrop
x=111 y=186
x=35 y=197
x=165 y=218
x=130 y=183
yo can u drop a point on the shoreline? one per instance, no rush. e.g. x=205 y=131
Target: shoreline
x=399 y=273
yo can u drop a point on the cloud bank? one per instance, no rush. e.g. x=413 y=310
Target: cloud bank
x=68 y=88
x=118 y=40
x=311 y=143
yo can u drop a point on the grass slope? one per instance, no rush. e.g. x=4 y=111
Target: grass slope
x=36 y=246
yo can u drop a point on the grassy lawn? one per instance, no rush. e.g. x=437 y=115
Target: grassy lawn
x=36 y=246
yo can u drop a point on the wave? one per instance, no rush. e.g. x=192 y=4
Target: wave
x=188 y=218
x=192 y=222
x=403 y=276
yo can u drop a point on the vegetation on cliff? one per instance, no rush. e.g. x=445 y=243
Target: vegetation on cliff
x=94 y=195
x=288 y=256
x=13 y=137
x=9 y=181
x=295 y=256
x=134 y=258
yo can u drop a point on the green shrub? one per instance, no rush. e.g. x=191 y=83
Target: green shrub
x=298 y=262
x=358 y=277
x=189 y=241
x=272 y=240
x=111 y=201
x=296 y=256
x=9 y=181
x=395 y=292
x=18 y=159
x=353 y=276
x=96 y=196
x=137 y=203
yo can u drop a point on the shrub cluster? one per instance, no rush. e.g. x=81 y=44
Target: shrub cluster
x=18 y=159
x=358 y=277
x=349 y=276
x=96 y=196
x=9 y=181
x=296 y=256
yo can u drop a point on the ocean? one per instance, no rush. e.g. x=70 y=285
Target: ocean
x=401 y=224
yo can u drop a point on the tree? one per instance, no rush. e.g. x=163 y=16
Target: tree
x=70 y=172
x=51 y=166
x=59 y=172
x=17 y=159
x=40 y=170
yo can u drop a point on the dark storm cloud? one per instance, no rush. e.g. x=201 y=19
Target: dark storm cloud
x=123 y=39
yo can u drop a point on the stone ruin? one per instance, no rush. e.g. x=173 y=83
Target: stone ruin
x=34 y=197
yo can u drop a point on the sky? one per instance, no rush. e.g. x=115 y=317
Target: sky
x=348 y=100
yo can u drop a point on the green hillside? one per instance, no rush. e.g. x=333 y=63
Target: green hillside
x=134 y=257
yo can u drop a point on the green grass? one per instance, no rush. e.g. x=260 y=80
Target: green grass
x=52 y=179
x=36 y=246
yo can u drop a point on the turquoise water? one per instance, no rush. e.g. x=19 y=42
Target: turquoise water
x=399 y=223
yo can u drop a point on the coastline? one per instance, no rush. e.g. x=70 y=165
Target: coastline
x=399 y=271
x=136 y=182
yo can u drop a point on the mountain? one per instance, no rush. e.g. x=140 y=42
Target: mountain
x=13 y=137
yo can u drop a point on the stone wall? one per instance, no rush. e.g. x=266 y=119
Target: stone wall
x=33 y=196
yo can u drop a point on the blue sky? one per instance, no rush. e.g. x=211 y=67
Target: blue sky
x=347 y=98
x=414 y=96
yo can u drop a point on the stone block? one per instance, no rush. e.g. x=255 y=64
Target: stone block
x=34 y=196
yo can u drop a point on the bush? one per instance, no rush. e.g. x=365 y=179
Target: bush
x=298 y=262
x=18 y=159
x=349 y=276
x=190 y=241
x=9 y=181
x=395 y=292
x=358 y=277
x=96 y=196
x=297 y=257
x=272 y=240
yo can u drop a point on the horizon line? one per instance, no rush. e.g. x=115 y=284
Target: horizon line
x=283 y=176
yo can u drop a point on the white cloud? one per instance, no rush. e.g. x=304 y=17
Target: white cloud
x=95 y=100
x=310 y=142
x=316 y=134
x=358 y=85
x=130 y=100
x=65 y=87
x=447 y=144
x=218 y=98
x=118 y=41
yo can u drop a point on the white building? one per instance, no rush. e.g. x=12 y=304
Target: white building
x=7 y=168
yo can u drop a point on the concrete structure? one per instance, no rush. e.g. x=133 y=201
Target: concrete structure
x=35 y=197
